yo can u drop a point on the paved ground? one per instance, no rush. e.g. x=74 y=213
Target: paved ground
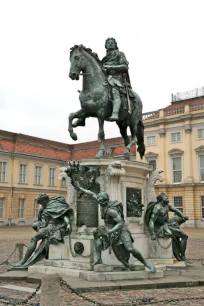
x=11 y=235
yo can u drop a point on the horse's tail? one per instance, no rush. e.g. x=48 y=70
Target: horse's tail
x=140 y=139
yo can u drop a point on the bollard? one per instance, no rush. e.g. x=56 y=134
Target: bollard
x=50 y=289
x=19 y=251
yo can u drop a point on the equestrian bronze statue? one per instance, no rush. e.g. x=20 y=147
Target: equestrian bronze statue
x=107 y=95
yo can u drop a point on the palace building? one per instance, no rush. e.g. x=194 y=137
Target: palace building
x=174 y=139
x=30 y=166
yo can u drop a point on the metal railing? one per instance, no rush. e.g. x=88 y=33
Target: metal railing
x=179 y=96
x=197 y=106
x=150 y=115
x=174 y=111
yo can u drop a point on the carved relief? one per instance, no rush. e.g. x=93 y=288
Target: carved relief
x=133 y=200
x=154 y=176
x=87 y=207
x=112 y=180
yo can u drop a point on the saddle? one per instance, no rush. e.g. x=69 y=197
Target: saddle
x=123 y=97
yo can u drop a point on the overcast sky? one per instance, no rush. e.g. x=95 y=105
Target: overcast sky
x=162 y=40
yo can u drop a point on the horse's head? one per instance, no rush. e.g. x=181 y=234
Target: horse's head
x=82 y=59
x=77 y=62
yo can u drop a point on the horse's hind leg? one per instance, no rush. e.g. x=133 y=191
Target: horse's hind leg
x=133 y=129
x=140 y=139
x=79 y=114
x=123 y=132
x=101 y=135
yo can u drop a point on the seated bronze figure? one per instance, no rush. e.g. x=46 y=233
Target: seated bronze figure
x=54 y=222
x=161 y=226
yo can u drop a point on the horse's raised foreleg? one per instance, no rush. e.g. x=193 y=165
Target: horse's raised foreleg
x=79 y=122
x=101 y=135
x=79 y=114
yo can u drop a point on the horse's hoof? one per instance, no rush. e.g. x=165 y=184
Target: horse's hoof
x=73 y=136
x=100 y=154
x=127 y=155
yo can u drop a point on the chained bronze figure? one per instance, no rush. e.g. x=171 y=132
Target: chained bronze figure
x=54 y=222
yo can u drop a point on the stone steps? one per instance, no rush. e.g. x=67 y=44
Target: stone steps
x=104 y=273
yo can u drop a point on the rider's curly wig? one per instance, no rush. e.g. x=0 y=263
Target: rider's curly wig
x=111 y=38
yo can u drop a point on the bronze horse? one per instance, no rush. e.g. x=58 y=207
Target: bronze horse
x=95 y=102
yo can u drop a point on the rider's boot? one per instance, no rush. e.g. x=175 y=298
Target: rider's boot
x=116 y=105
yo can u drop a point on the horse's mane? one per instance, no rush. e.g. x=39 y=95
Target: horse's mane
x=89 y=51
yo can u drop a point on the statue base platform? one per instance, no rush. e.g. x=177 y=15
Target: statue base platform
x=161 y=249
x=103 y=273
x=124 y=181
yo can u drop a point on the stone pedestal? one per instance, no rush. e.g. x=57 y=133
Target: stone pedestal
x=59 y=251
x=69 y=254
x=161 y=253
x=50 y=289
x=164 y=250
x=115 y=178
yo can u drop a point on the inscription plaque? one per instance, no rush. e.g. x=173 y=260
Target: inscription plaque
x=87 y=212
x=133 y=202
x=87 y=207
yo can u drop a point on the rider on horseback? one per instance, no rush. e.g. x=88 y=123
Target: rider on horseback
x=115 y=66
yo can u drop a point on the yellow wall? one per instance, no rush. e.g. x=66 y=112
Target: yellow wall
x=191 y=188
x=11 y=191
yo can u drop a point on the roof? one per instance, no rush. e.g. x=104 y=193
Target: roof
x=17 y=143
x=185 y=102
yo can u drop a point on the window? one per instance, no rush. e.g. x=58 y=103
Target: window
x=1 y=207
x=23 y=173
x=153 y=163
x=175 y=137
x=151 y=140
x=201 y=166
x=63 y=183
x=36 y=209
x=38 y=175
x=200 y=133
x=202 y=207
x=178 y=203
x=51 y=176
x=177 y=171
x=3 y=169
x=21 y=208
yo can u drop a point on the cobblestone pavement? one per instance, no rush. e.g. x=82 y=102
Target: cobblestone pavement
x=118 y=298
x=195 y=250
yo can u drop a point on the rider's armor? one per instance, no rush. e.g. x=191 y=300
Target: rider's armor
x=116 y=79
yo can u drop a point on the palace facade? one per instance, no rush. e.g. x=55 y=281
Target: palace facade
x=174 y=138
x=30 y=166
